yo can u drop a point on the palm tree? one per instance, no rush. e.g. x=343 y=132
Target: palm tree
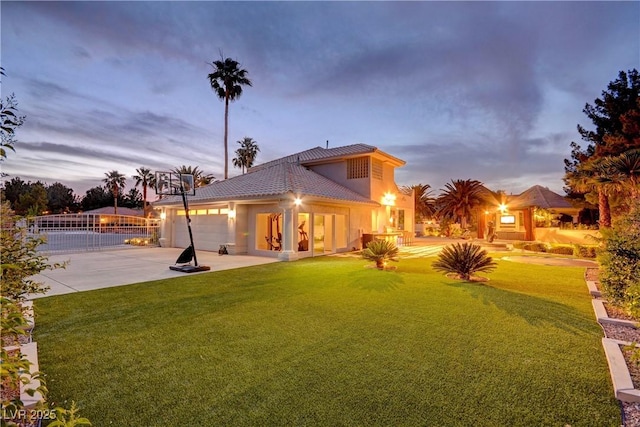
x=423 y=200
x=146 y=179
x=464 y=260
x=458 y=200
x=381 y=251
x=246 y=154
x=625 y=170
x=200 y=178
x=592 y=177
x=227 y=81
x=115 y=182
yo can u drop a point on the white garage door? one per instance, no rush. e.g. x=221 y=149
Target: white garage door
x=209 y=232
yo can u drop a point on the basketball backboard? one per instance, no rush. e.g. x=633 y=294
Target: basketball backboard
x=172 y=183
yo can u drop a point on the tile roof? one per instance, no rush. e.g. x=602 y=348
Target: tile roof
x=318 y=154
x=280 y=179
x=541 y=197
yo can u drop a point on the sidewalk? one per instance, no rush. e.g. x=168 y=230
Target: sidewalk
x=103 y=269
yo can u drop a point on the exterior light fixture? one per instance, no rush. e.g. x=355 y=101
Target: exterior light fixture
x=502 y=207
x=231 y=213
x=163 y=216
x=297 y=201
x=389 y=199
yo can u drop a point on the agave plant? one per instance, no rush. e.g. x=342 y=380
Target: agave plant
x=380 y=251
x=464 y=259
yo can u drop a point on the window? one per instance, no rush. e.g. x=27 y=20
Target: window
x=507 y=219
x=195 y=212
x=303 y=235
x=397 y=219
x=268 y=231
x=358 y=168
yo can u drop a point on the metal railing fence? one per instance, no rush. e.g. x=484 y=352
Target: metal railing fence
x=93 y=232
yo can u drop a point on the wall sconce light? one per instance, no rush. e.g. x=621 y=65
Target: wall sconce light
x=163 y=215
x=231 y=213
x=502 y=207
x=389 y=199
x=297 y=201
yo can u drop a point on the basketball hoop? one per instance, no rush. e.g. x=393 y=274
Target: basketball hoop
x=174 y=184
x=180 y=184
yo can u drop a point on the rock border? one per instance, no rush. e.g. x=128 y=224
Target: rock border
x=623 y=387
x=622 y=384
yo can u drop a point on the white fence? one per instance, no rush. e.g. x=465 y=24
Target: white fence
x=93 y=232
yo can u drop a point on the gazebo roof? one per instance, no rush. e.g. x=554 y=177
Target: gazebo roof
x=540 y=197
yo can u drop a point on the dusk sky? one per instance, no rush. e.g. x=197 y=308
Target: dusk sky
x=491 y=91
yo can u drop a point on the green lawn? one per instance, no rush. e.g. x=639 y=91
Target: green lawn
x=330 y=342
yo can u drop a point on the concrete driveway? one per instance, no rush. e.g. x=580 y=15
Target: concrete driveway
x=94 y=270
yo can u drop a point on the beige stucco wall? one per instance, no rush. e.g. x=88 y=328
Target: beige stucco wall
x=338 y=172
x=557 y=235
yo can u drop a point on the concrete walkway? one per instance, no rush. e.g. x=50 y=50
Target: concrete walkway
x=103 y=269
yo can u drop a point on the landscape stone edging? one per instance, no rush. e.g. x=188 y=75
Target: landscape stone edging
x=30 y=351
x=623 y=388
x=622 y=384
x=593 y=289
x=603 y=317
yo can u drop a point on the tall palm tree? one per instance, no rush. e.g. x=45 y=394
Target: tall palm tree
x=226 y=81
x=200 y=178
x=423 y=200
x=246 y=154
x=458 y=200
x=145 y=178
x=115 y=182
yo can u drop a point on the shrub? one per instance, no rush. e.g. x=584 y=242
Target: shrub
x=561 y=250
x=464 y=259
x=380 y=251
x=620 y=260
x=20 y=258
x=584 y=251
x=535 y=247
x=519 y=245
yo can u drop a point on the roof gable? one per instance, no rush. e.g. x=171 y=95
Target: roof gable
x=541 y=197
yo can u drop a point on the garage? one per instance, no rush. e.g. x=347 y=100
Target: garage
x=209 y=228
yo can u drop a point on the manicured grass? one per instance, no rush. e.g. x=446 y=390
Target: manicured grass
x=330 y=342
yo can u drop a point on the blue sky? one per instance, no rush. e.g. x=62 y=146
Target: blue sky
x=485 y=90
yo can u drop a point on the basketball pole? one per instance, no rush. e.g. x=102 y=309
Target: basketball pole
x=167 y=185
x=186 y=212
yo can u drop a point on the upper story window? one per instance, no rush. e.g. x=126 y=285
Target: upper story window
x=376 y=169
x=358 y=168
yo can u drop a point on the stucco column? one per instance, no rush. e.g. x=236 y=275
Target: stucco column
x=164 y=239
x=288 y=236
x=231 y=229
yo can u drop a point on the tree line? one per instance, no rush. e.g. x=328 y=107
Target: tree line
x=37 y=198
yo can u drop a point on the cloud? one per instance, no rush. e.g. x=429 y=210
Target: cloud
x=458 y=89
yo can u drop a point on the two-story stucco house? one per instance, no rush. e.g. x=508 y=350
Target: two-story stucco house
x=316 y=202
